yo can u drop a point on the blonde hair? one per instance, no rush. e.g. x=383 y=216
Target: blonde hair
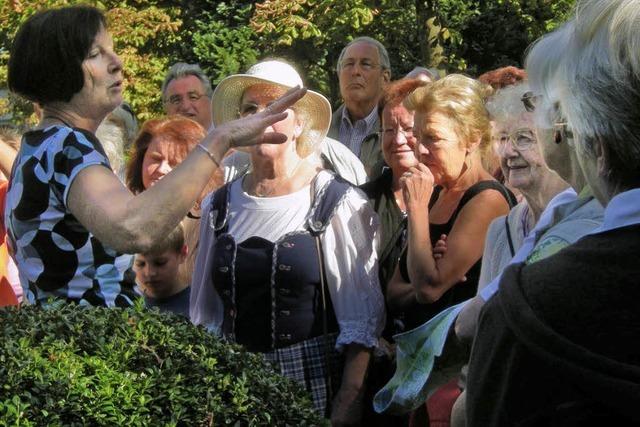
x=460 y=98
x=305 y=142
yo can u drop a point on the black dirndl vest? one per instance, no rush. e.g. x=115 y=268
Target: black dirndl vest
x=271 y=291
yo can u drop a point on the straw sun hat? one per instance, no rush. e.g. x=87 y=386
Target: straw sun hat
x=313 y=109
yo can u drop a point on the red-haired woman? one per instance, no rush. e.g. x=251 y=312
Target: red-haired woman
x=161 y=145
x=385 y=192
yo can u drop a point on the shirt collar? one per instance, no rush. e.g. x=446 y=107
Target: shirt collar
x=621 y=211
x=369 y=120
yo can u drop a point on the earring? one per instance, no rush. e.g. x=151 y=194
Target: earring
x=557 y=136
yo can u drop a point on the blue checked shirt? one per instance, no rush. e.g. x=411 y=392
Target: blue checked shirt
x=352 y=134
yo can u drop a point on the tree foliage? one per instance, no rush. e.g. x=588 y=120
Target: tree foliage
x=227 y=37
x=143 y=34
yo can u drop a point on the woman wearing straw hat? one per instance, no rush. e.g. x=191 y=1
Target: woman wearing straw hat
x=287 y=264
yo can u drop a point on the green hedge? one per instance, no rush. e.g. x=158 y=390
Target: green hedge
x=93 y=366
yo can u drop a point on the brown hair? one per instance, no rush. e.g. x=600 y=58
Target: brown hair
x=183 y=133
x=395 y=92
x=173 y=242
x=501 y=77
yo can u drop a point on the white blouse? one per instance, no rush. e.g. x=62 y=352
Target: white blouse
x=349 y=245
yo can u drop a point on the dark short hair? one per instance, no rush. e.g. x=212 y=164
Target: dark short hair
x=45 y=64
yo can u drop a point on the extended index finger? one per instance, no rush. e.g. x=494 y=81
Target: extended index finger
x=292 y=96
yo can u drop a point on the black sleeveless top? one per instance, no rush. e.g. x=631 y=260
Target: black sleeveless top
x=420 y=313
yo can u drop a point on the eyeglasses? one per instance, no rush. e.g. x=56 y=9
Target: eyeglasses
x=391 y=133
x=522 y=140
x=365 y=65
x=192 y=97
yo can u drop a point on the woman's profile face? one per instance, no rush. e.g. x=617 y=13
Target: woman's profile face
x=398 y=141
x=102 y=90
x=557 y=155
x=160 y=158
x=438 y=145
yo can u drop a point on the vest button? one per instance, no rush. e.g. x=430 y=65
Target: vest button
x=283 y=267
x=284 y=291
x=226 y=292
x=223 y=269
x=317 y=224
x=228 y=247
x=284 y=337
x=287 y=245
x=285 y=313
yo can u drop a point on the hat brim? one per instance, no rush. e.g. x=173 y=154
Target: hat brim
x=225 y=104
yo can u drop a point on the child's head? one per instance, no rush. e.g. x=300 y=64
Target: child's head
x=157 y=270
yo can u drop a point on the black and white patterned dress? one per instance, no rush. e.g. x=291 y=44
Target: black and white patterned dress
x=57 y=257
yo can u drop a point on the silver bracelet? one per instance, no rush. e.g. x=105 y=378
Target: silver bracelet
x=209 y=153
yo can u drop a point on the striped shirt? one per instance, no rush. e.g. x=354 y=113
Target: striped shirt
x=352 y=134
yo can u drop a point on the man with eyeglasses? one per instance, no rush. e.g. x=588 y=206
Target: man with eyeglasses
x=187 y=91
x=363 y=71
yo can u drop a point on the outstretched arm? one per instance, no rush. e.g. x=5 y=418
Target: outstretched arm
x=131 y=224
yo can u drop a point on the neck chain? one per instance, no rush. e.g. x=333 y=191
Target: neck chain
x=52 y=117
x=277 y=184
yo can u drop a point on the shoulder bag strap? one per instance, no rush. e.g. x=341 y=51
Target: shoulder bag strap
x=325 y=326
x=509 y=239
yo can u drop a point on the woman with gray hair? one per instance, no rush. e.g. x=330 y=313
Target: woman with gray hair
x=524 y=168
x=287 y=264
x=557 y=345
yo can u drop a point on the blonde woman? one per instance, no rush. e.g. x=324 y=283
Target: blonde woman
x=448 y=193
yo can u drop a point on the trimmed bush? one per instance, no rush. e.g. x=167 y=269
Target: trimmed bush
x=131 y=367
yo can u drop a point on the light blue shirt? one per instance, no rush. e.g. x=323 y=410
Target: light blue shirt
x=529 y=243
x=623 y=210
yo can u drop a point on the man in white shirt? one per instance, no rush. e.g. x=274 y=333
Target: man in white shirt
x=363 y=71
x=187 y=91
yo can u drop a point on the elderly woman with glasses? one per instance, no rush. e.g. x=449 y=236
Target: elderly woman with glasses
x=287 y=265
x=70 y=220
x=557 y=345
x=524 y=169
